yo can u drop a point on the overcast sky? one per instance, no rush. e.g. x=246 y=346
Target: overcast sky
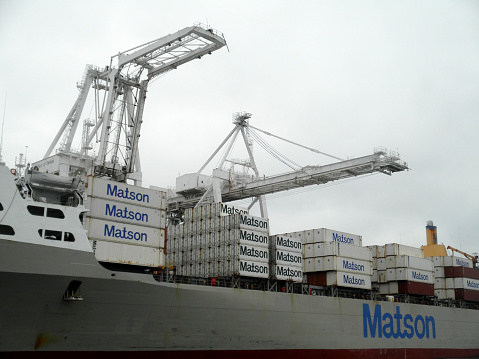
x=339 y=76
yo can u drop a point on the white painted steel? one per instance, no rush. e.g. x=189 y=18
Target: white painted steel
x=344 y=279
x=227 y=209
x=286 y=243
x=404 y=261
x=395 y=249
x=414 y=275
x=288 y=258
x=452 y=261
x=250 y=237
x=128 y=254
x=334 y=263
x=391 y=275
x=343 y=250
x=381 y=251
x=125 y=233
x=438 y=261
x=439 y=272
x=382 y=276
x=127 y=213
x=126 y=193
x=381 y=263
x=246 y=268
x=287 y=272
x=439 y=283
x=374 y=277
x=245 y=221
x=450 y=283
x=466 y=283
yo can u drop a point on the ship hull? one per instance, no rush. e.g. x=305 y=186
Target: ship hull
x=127 y=312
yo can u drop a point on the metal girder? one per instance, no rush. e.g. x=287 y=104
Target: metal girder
x=379 y=161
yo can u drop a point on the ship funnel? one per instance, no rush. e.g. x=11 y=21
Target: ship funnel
x=431 y=233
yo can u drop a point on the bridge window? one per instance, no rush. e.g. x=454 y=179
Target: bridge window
x=36 y=210
x=53 y=235
x=69 y=237
x=6 y=230
x=55 y=213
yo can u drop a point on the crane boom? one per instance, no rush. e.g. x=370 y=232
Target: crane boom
x=470 y=256
x=379 y=161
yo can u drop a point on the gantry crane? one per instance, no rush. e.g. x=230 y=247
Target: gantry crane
x=223 y=185
x=119 y=112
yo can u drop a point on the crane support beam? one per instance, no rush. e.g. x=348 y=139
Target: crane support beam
x=379 y=161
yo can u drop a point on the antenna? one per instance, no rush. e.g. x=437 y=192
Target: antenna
x=1 y=138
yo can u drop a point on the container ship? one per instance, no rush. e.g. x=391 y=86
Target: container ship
x=93 y=262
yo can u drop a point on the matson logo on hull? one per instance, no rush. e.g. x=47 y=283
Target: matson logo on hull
x=397 y=325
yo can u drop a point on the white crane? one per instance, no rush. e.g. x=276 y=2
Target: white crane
x=227 y=186
x=119 y=112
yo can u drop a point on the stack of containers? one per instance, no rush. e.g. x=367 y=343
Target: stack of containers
x=126 y=223
x=219 y=240
x=286 y=258
x=460 y=281
x=404 y=270
x=333 y=258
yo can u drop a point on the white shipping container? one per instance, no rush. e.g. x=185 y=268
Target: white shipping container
x=439 y=283
x=441 y=294
x=414 y=275
x=287 y=258
x=382 y=265
x=438 y=261
x=451 y=293
x=128 y=254
x=374 y=250
x=288 y=272
x=245 y=221
x=374 y=277
x=308 y=250
x=452 y=261
x=404 y=261
x=381 y=251
x=286 y=243
x=125 y=233
x=309 y=265
x=383 y=288
x=395 y=249
x=391 y=275
x=393 y=288
x=243 y=236
x=449 y=283
x=248 y=252
x=126 y=193
x=227 y=209
x=343 y=279
x=382 y=276
x=375 y=263
x=247 y=268
x=334 y=263
x=466 y=283
x=343 y=250
x=439 y=272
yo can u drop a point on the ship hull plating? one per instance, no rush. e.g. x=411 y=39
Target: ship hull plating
x=133 y=312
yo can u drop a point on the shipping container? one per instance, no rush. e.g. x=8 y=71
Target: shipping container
x=246 y=252
x=246 y=236
x=126 y=193
x=287 y=258
x=466 y=283
x=286 y=243
x=468 y=295
x=414 y=275
x=439 y=272
x=452 y=261
x=128 y=254
x=452 y=272
x=287 y=272
x=335 y=263
x=440 y=283
x=405 y=261
x=247 y=222
x=125 y=233
x=438 y=261
x=341 y=279
x=449 y=283
x=395 y=249
x=381 y=251
x=411 y=288
x=382 y=276
x=381 y=264
x=245 y=269
x=343 y=250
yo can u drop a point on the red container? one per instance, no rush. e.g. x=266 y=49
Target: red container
x=317 y=278
x=466 y=294
x=454 y=272
x=406 y=287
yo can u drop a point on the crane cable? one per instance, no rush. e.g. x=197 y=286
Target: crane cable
x=297 y=144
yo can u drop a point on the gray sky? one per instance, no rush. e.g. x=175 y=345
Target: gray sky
x=339 y=76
